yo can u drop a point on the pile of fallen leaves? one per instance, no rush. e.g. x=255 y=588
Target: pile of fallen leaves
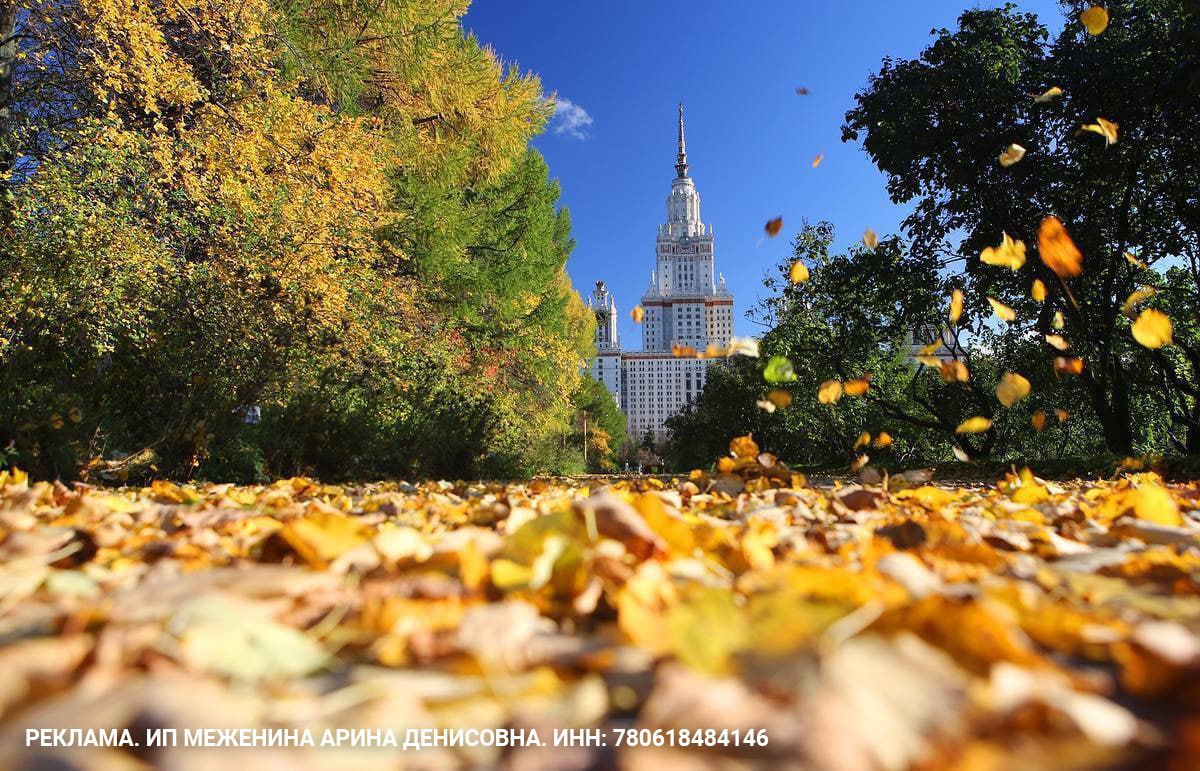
x=900 y=624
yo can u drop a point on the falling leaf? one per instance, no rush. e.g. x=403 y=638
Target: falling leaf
x=1131 y=302
x=746 y=346
x=870 y=239
x=863 y=440
x=1057 y=250
x=883 y=439
x=637 y=314
x=1094 y=19
x=1049 y=95
x=1062 y=415
x=817 y=161
x=956 y=306
x=1135 y=262
x=779 y=370
x=1058 y=341
x=1152 y=329
x=975 y=425
x=1105 y=128
x=859 y=462
x=829 y=392
x=960 y=453
x=1067 y=365
x=858 y=386
x=1038 y=420
x=1058 y=322
x=743 y=447
x=799 y=272
x=1012 y=154
x=1002 y=311
x=1009 y=254
x=1038 y=291
x=953 y=371
x=780 y=398
x=802 y=91
x=1012 y=388
x=774 y=226
x=74 y=414
x=56 y=421
x=765 y=404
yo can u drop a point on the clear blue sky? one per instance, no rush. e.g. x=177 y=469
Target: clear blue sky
x=751 y=139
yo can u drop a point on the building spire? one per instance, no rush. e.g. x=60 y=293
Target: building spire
x=681 y=165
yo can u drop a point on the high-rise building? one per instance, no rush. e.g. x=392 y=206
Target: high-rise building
x=688 y=311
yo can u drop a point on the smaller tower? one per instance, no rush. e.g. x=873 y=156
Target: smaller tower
x=605 y=308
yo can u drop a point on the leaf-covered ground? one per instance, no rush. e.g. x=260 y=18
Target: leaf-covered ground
x=902 y=624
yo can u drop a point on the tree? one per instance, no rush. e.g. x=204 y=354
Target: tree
x=606 y=432
x=935 y=126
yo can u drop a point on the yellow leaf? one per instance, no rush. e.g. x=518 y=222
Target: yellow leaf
x=1135 y=262
x=859 y=462
x=799 y=272
x=1094 y=19
x=858 y=386
x=883 y=439
x=960 y=453
x=1004 y=312
x=1152 y=329
x=870 y=239
x=975 y=425
x=1105 y=128
x=1009 y=254
x=780 y=398
x=1012 y=388
x=764 y=404
x=322 y=536
x=956 y=306
x=1049 y=95
x=1058 y=341
x=743 y=447
x=829 y=392
x=1038 y=420
x=1057 y=250
x=1135 y=297
x=1155 y=504
x=1059 y=322
x=1012 y=154
x=637 y=314
x=817 y=161
x=1038 y=291
x=863 y=440
x=1067 y=365
x=953 y=371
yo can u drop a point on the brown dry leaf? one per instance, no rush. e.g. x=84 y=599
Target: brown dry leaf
x=953 y=371
x=1012 y=154
x=1038 y=420
x=817 y=161
x=1068 y=365
x=773 y=227
x=858 y=386
x=1062 y=415
x=780 y=398
x=1057 y=250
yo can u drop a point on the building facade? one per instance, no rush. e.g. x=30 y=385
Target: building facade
x=688 y=311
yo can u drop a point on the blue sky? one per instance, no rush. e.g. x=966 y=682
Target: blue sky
x=623 y=66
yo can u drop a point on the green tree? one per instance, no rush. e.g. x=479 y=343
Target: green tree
x=936 y=124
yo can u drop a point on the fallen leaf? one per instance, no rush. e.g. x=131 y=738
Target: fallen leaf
x=975 y=425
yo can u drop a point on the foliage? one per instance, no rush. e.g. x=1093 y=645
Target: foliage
x=606 y=424
x=936 y=124
x=324 y=211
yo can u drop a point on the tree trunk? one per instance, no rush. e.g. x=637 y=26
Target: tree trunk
x=1118 y=430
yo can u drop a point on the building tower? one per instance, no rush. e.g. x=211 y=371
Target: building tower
x=687 y=308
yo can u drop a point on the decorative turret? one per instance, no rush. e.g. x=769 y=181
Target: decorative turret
x=681 y=157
